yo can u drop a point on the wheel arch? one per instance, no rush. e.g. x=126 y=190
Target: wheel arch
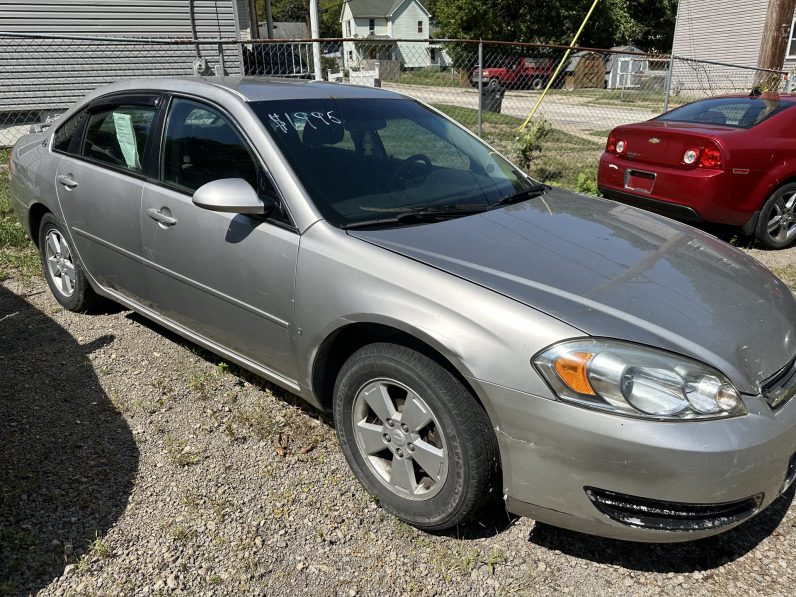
x=35 y=214
x=345 y=340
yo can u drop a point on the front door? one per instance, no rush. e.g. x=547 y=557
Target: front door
x=100 y=184
x=227 y=277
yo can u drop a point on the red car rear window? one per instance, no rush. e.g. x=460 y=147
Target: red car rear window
x=737 y=112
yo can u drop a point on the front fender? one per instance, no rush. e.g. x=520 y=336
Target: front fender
x=486 y=336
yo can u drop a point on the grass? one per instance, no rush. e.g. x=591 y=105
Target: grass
x=181 y=453
x=564 y=155
x=430 y=77
x=787 y=275
x=18 y=255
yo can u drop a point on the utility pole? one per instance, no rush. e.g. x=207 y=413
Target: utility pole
x=775 y=36
x=269 y=21
x=316 y=46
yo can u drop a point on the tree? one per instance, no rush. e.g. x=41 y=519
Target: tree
x=298 y=11
x=647 y=23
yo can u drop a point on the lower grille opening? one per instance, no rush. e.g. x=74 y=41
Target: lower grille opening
x=670 y=516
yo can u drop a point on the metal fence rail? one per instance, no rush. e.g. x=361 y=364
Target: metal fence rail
x=490 y=87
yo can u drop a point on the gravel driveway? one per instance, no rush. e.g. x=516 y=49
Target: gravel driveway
x=132 y=461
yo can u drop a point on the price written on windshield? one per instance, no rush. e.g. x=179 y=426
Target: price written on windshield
x=298 y=120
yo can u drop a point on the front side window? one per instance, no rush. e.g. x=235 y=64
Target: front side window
x=201 y=146
x=365 y=159
x=117 y=136
x=372 y=25
x=420 y=26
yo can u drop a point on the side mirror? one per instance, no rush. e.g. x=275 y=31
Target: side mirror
x=232 y=195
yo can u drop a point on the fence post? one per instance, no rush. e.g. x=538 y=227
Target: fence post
x=480 y=84
x=668 y=87
x=221 y=60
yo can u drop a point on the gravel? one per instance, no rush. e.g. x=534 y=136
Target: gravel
x=132 y=461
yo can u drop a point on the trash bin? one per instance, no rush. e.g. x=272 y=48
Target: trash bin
x=492 y=98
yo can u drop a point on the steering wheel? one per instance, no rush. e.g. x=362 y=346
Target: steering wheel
x=404 y=171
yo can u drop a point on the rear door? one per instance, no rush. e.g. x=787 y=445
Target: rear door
x=100 y=181
x=228 y=277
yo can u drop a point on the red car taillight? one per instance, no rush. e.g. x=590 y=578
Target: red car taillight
x=616 y=145
x=707 y=156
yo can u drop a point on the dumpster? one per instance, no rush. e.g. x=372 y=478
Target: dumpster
x=492 y=98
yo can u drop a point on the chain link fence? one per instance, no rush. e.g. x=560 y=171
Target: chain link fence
x=490 y=87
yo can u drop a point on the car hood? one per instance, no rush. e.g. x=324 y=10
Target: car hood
x=615 y=271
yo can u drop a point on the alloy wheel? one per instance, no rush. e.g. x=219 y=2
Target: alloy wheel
x=60 y=263
x=400 y=439
x=781 y=225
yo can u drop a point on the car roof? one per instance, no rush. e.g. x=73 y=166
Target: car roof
x=252 y=89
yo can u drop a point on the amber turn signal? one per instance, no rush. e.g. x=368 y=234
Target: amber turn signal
x=571 y=368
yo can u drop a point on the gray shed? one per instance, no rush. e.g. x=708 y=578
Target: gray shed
x=625 y=71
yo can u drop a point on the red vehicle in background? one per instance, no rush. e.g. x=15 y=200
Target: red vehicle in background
x=517 y=72
x=726 y=160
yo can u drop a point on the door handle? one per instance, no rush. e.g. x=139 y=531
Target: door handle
x=67 y=181
x=156 y=215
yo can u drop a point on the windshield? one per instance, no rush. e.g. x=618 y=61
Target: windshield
x=364 y=159
x=738 y=112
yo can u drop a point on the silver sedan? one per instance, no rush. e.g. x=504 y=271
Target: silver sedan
x=474 y=332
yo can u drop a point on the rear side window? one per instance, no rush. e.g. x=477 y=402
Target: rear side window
x=117 y=136
x=737 y=112
x=65 y=134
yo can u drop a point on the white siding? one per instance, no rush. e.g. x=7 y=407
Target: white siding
x=404 y=26
x=721 y=30
x=363 y=26
x=151 y=18
x=52 y=74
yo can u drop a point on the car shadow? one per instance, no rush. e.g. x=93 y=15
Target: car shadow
x=703 y=554
x=67 y=457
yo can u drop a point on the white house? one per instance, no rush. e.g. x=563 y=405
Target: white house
x=379 y=23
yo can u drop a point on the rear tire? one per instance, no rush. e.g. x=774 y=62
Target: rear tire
x=62 y=268
x=440 y=463
x=776 y=226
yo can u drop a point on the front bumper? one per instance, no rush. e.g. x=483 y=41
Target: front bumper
x=555 y=454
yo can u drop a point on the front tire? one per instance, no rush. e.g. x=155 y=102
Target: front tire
x=62 y=268
x=776 y=226
x=414 y=436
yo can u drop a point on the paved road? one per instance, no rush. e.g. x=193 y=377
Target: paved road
x=567 y=112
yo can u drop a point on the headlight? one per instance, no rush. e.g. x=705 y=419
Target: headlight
x=637 y=381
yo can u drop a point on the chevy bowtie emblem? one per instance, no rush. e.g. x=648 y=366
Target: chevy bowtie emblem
x=654 y=140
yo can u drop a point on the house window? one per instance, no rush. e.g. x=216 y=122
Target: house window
x=420 y=26
x=350 y=55
x=432 y=52
x=791 y=53
x=348 y=28
x=371 y=26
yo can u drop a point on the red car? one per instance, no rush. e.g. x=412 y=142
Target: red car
x=727 y=160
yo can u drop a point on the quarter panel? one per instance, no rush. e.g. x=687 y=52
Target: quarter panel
x=33 y=178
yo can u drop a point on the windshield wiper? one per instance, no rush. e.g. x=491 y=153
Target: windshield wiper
x=419 y=216
x=519 y=196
